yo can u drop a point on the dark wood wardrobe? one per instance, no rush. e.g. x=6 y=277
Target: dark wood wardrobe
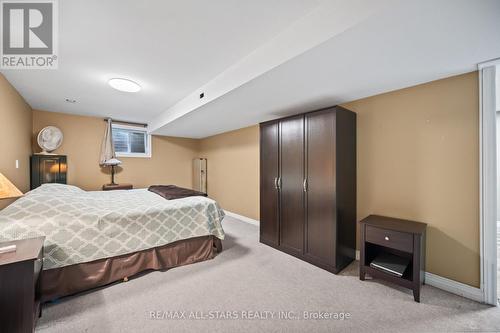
x=308 y=186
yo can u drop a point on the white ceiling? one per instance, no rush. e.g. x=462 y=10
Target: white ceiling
x=169 y=47
x=255 y=60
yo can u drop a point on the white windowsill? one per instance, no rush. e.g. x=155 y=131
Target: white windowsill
x=133 y=155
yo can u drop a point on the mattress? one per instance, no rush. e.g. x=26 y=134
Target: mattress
x=82 y=226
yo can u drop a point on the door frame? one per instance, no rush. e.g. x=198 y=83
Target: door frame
x=488 y=181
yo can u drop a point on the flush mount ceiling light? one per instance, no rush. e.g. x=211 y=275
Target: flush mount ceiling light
x=124 y=85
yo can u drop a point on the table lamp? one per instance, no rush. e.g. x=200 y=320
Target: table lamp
x=7 y=189
x=112 y=163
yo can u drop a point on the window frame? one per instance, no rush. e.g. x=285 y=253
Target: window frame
x=148 y=148
x=488 y=183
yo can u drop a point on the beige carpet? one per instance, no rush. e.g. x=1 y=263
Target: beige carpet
x=249 y=277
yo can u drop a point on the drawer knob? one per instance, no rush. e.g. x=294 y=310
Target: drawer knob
x=386 y=238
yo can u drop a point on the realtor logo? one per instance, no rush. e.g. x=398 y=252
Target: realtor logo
x=29 y=34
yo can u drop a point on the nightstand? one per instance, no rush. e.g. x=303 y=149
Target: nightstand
x=112 y=187
x=402 y=239
x=20 y=285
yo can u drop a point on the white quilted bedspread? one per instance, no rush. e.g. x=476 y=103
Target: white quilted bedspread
x=82 y=226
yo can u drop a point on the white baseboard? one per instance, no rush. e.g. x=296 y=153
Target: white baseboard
x=450 y=286
x=454 y=287
x=242 y=218
x=434 y=280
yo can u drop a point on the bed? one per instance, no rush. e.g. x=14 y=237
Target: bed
x=95 y=238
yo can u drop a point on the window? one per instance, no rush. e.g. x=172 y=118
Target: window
x=131 y=141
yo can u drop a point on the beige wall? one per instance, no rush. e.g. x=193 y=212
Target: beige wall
x=171 y=162
x=233 y=160
x=233 y=170
x=418 y=158
x=418 y=155
x=15 y=134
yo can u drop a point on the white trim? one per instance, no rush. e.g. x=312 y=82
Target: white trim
x=493 y=62
x=242 y=218
x=488 y=184
x=141 y=155
x=451 y=286
x=454 y=287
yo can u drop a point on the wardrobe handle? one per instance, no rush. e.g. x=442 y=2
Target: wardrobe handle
x=276 y=183
x=279 y=183
x=305 y=185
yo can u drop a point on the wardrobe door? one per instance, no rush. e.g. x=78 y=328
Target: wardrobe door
x=269 y=173
x=320 y=195
x=292 y=178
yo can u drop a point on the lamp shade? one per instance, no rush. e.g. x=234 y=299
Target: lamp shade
x=112 y=162
x=7 y=189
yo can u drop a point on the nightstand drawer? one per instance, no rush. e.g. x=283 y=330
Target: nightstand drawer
x=389 y=238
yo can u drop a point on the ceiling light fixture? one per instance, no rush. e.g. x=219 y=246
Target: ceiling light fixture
x=124 y=85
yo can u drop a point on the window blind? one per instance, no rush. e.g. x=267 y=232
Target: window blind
x=129 y=141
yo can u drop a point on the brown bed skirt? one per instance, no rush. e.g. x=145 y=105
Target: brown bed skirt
x=68 y=280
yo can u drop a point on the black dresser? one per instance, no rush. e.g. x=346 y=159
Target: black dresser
x=48 y=169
